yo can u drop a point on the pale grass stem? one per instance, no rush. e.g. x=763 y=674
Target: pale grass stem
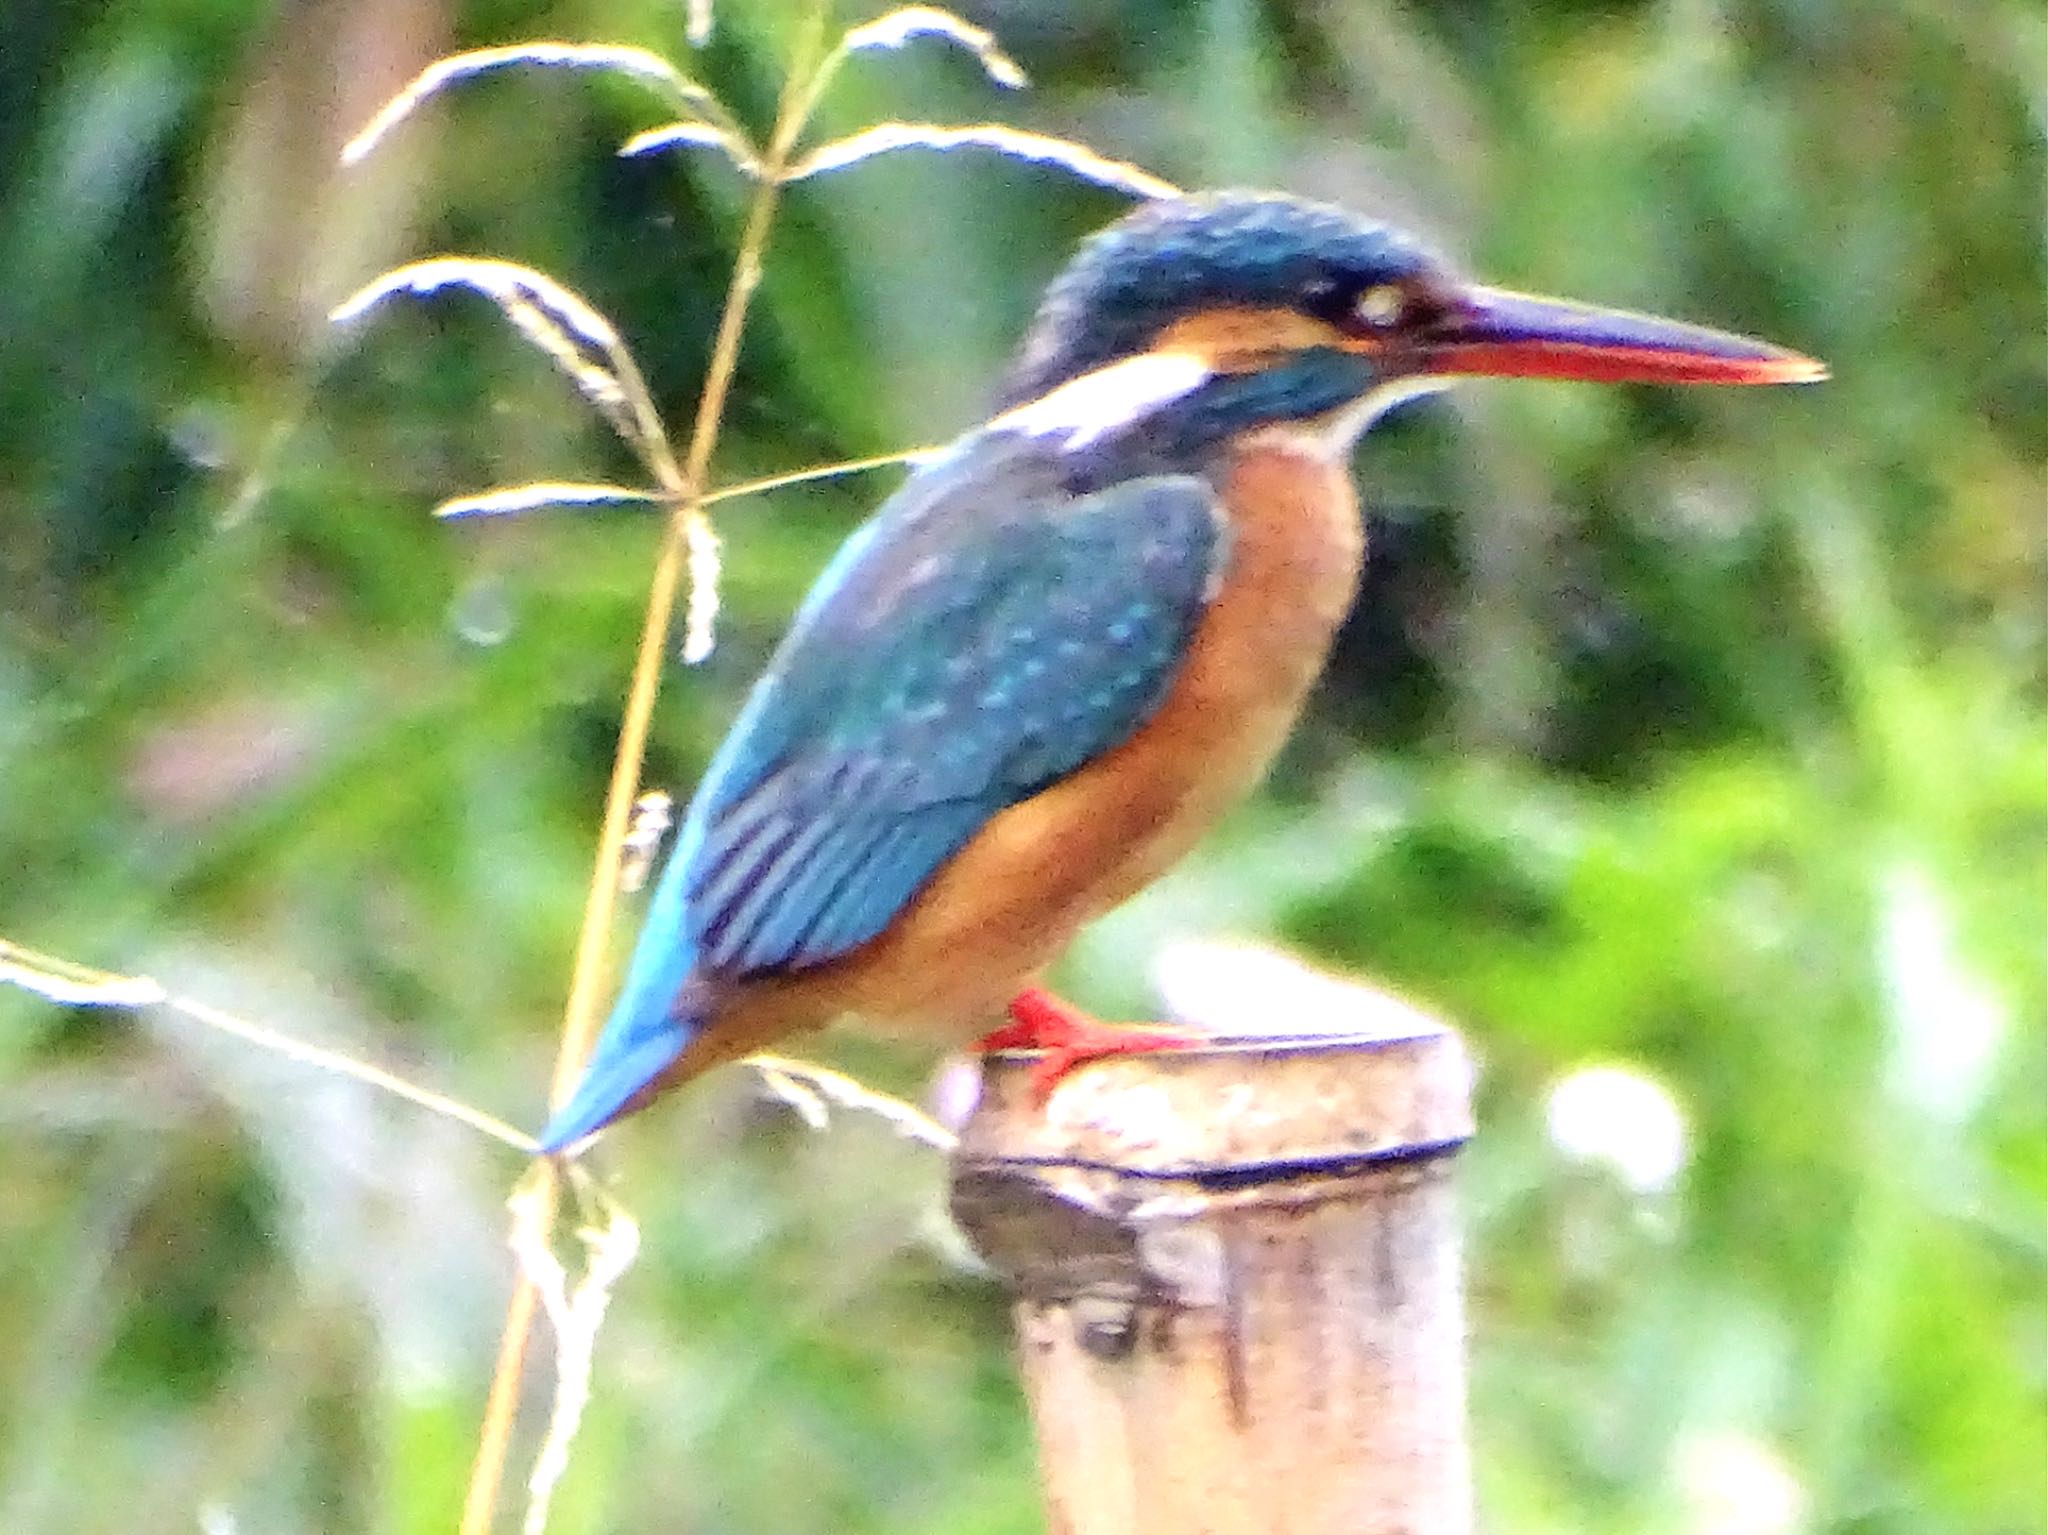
x=809 y=1089
x=74 y=985
x=580 y=1020
x=908 y=22
x=510 y=500
x=576 y=1315
x=653 y=813
x=562 y=324
x=635 y=63
x=898 y=29
x=822 y=472
x=1016 y=143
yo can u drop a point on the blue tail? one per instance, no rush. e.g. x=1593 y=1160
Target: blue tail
x=651 y=1025
x=628 y=1062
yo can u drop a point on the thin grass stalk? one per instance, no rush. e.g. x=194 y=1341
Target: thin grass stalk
x=579 y=1024
x=501 y=1406
x=76 y=985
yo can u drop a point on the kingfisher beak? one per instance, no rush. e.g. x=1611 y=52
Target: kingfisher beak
x=1490 y=332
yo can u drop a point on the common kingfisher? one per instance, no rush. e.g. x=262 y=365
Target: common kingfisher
x=1074 y=637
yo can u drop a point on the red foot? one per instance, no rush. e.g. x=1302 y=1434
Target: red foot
x=1068 y=1037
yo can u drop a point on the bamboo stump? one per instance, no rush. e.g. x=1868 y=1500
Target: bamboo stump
x=1237 y=1282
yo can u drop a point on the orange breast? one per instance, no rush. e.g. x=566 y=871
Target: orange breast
x=1015 y=895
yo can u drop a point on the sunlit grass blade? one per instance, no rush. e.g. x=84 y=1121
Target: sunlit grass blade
x=579 y=340
x=701 y=554
x=820 y=472
x=653 y=814
x=74 y=985
x=588 y=350
x=687 y=135
x=596 y=382
x=576 y=1314
x=810 y=1090
x=513 y=499
x=898 y=29
x=1016 y=143
x=510 y=500
x=502 y=281
x=635 y=63
x=914 y=21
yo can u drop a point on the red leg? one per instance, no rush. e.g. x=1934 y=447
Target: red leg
x=1068 y=1037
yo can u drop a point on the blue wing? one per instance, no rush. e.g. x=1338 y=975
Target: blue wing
x=986 y=634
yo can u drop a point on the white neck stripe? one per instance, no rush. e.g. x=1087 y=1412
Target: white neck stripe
x=1090 y=407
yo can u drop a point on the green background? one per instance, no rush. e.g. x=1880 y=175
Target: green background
x=1698 y=733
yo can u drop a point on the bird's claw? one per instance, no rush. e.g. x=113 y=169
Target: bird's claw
x=1066 y=1038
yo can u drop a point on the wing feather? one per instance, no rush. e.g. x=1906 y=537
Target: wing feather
x=984 y=636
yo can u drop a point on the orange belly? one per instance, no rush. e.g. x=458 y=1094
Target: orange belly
x=1011 y=900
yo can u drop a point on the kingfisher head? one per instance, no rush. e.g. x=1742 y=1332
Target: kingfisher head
x=1195 y=319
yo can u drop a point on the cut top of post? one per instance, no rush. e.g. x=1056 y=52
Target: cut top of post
x=1248 y=1108
x=1236 y=1276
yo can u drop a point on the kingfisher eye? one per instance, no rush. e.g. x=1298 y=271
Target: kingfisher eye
x=1382 y=306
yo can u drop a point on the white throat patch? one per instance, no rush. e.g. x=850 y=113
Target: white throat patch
x=1090 y=407
x=1342 y=428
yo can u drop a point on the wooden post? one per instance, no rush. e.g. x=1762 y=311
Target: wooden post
x=1236 y=1269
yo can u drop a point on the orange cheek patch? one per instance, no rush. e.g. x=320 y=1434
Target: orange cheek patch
x=1237 y=340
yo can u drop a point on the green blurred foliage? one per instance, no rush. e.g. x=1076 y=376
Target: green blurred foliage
x=1698 y=733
